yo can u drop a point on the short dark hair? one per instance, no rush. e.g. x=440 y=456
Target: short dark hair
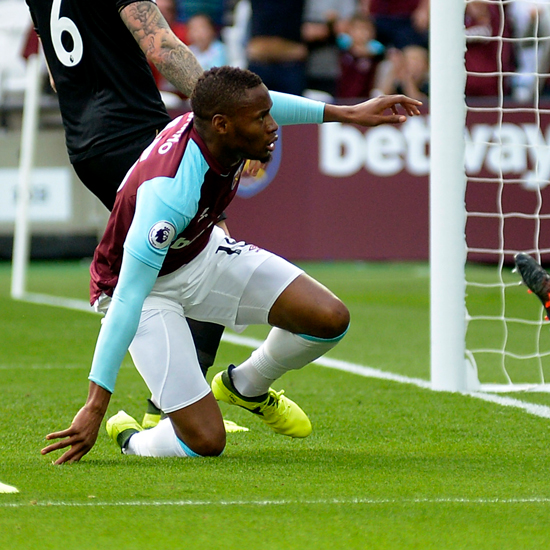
x=221 y=90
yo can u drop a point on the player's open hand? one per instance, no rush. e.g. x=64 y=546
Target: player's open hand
x=380 y=110
x=80 y=436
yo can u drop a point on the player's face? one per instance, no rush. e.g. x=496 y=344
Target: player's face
x=254 y=132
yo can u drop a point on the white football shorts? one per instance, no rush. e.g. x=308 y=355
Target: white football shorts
x=230 y=283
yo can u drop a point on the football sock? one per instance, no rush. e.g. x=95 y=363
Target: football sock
x=159 y=441
x=281 y=351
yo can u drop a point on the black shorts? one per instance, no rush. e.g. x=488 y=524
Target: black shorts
x=103 y=174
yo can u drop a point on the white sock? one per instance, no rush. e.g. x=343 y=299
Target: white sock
x=248 y=381
x=282 y=351
x=158 y=441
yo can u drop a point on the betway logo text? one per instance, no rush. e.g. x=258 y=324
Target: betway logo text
x=511 y=149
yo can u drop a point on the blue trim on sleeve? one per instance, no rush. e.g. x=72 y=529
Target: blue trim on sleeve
x=292 y=109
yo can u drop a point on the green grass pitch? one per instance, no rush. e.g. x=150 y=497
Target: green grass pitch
x=388 y=466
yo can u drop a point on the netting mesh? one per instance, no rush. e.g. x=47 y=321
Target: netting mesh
x=507 y=196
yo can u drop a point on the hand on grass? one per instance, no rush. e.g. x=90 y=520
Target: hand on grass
x=81 y=436
x=82 y=433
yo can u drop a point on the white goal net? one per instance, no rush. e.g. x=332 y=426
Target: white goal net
x=504 y=185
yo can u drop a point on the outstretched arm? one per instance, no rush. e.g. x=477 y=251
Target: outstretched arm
x=161 y=46
x=291 y=109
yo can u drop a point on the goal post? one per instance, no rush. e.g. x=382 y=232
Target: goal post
x=489 y=195
x=21 y=254
x=21 y=240
x=447 y=197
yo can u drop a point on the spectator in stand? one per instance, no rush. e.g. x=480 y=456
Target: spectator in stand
x=402 y=27
x=203 y=41
x=324 y=20
x=236 y=31
x=399 y=23
x=530 y=22
x=483 y=20
x=407 y=71
x=275 y=50
x=360 y=56
x=215 y=9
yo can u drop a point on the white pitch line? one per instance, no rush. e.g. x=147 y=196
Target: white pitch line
x=282 y=502
x=337 y=364
x=532 y=408
x=57 y=301
x=542 y=411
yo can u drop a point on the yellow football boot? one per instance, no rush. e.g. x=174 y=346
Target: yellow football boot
x=280 y=413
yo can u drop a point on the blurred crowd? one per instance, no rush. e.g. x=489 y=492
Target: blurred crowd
x=319 y=48
x=363 y=48
x=341 y=49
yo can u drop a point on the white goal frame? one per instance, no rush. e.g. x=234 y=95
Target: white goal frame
x=449 y=369
x=21 y=238
x=22 y=226
x=453 y=366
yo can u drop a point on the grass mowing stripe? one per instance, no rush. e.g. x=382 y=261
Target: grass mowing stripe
x=283 y=502
x=542 y=411
x=404 y=450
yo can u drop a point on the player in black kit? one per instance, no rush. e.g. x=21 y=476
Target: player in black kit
x=97 y=54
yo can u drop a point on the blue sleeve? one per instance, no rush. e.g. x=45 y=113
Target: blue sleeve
x=155 y=225
x=292 y=109
x=121 y=322
x=164 y=208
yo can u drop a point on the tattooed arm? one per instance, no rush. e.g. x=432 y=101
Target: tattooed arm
x=162 y=47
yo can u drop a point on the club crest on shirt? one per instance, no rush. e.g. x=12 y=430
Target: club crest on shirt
x=161 y=235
